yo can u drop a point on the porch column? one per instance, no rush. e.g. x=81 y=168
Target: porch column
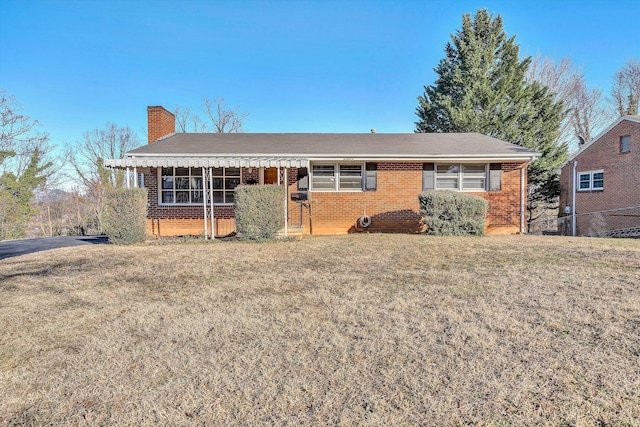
x=213 y=215
x=127 y=177
x=286 y=202
x=135 y=177
x=523 y=199
x=204 y=202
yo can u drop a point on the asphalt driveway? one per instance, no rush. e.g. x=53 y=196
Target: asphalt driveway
x=13 y=248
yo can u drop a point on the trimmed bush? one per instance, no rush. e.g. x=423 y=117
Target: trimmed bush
x=448 y=213
x=124 y=218
x=259 y=211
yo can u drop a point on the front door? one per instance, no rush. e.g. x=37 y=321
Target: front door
x=271 y=175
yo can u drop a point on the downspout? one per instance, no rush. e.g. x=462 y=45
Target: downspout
x=204 y=202
x=522 y=198
x=573 y=208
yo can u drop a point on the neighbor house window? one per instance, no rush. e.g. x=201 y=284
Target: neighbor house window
x=184 y=186
x=460 y=176
x=592 y=180
x=337 y=177
x=625 y=143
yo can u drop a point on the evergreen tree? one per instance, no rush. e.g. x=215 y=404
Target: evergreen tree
x=16 y=193
x=481 y=87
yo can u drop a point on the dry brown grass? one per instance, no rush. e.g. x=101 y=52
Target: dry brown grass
x=367 y=329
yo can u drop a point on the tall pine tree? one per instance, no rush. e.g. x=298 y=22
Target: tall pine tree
x=481 y=87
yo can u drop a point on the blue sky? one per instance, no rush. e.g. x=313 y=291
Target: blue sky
x=294 y=66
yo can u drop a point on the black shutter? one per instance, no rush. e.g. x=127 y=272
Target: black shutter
x=371 y=177
x=303 y=179
x=428 y=176
x=495 y=177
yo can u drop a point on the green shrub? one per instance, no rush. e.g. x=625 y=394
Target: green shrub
x=259 y=211
x=124 y=218
x=447 y=213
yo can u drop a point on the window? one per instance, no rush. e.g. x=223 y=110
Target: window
x=474 y=177
x=593 y=180
x=337 y=177
x=350 y=177
x=323 y=177
x=460 y=177
x=181 y=186
x=225 y=180
x=184 y=186
x=625 y=143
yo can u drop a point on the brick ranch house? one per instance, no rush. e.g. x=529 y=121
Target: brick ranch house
x=334 y=183
x=600 y=184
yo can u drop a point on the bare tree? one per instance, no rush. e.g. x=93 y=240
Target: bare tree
x=223 y=118
x=183 y=118
x=87 y=156
x=20 y=138
x=584 y=107
x=61 y=213
x=111 y=142
x=625 y=92
x=25 y=166
x=219 y=117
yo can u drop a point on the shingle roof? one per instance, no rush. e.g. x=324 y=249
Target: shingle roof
x=334 y=145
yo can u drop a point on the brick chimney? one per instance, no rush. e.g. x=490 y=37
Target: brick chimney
x=161 y=122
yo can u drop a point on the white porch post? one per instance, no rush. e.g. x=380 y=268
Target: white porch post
x=135 y=177
x=127 y=177
x=523 y=196
x=204 y=202
x=213 y=216
x=286 y=202
x=573 y=208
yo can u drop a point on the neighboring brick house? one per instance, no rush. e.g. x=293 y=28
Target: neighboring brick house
x=606 y=173
x=344 y=177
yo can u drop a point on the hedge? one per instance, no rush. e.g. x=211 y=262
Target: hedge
x=448 y=213
x=124 y=217
x=259 y=211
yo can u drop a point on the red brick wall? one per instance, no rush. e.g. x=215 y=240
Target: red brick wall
x=503 y=216
x=186 y=220
x=621 y=180
x=160 y=123
x=393 y=207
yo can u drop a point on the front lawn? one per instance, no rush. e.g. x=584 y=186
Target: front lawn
x=350 y=330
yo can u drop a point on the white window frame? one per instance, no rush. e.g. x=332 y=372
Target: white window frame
x=160 y=189
x=460 y=177
x=590 y=174
x=336 y=177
